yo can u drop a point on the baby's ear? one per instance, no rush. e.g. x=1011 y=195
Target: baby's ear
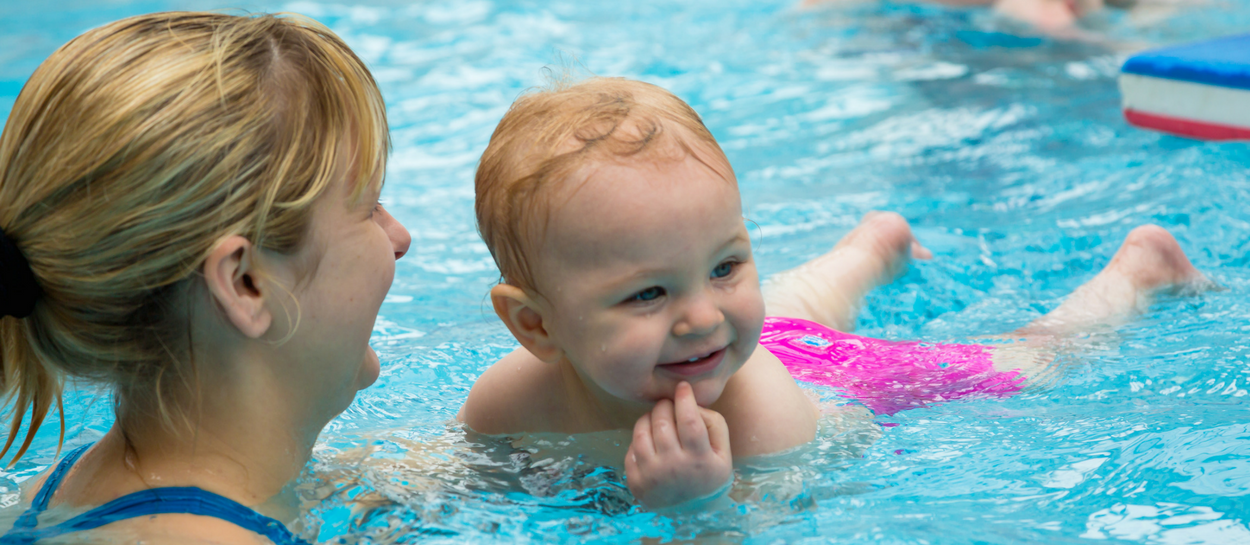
x=526 y=320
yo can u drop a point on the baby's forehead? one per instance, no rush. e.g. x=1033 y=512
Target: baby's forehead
x=619 y=211
x=641 y=183
x=666 y=155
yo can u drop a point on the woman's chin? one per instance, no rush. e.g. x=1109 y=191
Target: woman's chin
x=370 y=368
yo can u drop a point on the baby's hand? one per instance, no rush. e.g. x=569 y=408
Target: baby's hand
x=680 y=452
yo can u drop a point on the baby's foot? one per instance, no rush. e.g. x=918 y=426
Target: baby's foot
x=831 y=288
x=1152 y=262
x=887 y=239
x=1149 y=263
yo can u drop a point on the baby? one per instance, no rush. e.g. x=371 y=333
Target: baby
x=628 y=279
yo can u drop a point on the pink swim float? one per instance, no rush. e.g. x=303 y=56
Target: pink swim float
x=886 y=376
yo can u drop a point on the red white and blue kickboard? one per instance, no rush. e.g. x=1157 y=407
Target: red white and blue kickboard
x=1199 y=90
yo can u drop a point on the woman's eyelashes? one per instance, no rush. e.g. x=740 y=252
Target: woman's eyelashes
x=377 y=207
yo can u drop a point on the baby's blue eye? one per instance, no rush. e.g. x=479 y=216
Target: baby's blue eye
x=649 y=294
x=723 y=270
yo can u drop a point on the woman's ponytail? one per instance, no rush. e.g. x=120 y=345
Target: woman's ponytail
x=28 y=383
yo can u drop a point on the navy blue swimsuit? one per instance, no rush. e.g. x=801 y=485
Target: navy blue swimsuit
x=157 y=501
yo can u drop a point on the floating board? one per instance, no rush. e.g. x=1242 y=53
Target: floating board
x=1199 y=90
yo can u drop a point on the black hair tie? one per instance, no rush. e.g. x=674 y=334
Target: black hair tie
x=18 y=289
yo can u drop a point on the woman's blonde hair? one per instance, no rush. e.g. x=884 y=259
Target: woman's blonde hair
x=130 y=153
x=549 y=134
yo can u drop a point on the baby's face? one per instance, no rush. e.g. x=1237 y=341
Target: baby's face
x=648 y=272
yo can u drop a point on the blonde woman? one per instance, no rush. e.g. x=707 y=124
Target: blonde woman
x=189 y=215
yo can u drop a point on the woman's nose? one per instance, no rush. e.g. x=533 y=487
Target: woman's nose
x=400 y=238
x=701 y=317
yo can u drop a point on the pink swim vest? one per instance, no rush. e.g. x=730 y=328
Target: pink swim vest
x=886 y=376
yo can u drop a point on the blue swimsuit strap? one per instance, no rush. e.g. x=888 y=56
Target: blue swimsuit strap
x=30 y=518
x=157 y=501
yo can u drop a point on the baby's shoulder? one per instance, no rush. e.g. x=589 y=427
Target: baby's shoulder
x=765 y=409
x=512 y=396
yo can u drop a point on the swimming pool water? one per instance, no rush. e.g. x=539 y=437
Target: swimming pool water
x=1006 y=150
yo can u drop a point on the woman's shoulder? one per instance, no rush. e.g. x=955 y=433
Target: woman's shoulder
x=78 y=499
x=156 y=529
x=168 y=529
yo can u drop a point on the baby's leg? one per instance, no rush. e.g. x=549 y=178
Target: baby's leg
x=1149 y=263
x=830 y=289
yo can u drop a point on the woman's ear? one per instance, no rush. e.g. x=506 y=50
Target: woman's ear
x=526 y=320
x=232 y=280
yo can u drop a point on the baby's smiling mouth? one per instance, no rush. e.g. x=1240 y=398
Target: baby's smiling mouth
x=696 y=365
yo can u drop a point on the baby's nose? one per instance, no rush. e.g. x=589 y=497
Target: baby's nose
x=702 y=316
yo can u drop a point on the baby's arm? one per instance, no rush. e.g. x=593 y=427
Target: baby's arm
x=830 y=289
x=680 y=452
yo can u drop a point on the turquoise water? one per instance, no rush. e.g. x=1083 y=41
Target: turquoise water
x=1007 y=152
